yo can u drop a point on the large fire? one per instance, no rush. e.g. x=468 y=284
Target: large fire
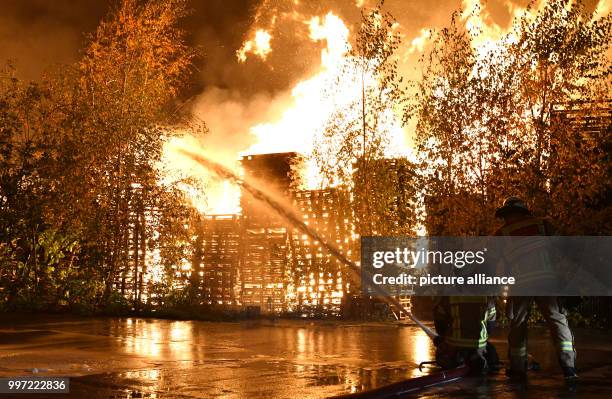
x=207 y=192
x=300 y=120
x=296 y=128
x=313 y=103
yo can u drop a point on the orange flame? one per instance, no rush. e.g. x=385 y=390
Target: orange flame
x=259 y=45
x=207 y=193
x=311 y=106
x=299 y=123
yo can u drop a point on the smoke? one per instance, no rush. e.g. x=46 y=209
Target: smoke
x=230 y=117
x=232 y=96
x=38 y=34
x=242 y=86
x=248 y=85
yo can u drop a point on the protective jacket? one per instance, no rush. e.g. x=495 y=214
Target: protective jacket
x=461 y=322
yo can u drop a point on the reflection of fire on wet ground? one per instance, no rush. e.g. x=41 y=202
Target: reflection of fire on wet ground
x=287 y=359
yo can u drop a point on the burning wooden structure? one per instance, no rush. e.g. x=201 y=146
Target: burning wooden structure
x=319 y=282
x=265 y=236
x=220 y=259
x=258 y=260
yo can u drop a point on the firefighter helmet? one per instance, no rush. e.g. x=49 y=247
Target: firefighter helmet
x=512 y=204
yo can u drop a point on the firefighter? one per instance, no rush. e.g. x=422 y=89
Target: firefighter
x=460 y=322
x=518 y=221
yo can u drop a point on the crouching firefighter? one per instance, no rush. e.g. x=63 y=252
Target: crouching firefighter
x=461 y=323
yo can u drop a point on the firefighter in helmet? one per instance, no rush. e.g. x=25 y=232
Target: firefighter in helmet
x=518 y=221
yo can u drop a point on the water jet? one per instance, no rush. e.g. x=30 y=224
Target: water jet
x=287 y=214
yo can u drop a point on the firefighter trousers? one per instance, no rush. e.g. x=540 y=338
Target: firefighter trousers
x=557 y=324
x=461 y=322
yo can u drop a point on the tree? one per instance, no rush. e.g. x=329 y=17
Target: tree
x=133 y=67
x=490 y=123
x=447 y=137
x=560 y=61
x=36 y=259
x=80 y=191
x=358 y=134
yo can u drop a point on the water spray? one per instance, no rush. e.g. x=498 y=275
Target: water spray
x=259 y=195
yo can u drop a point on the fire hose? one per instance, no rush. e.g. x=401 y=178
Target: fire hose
x=411 y=385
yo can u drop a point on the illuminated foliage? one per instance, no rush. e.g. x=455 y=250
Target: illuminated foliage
x=529 y=116
x=358 y=135
x=78 y=177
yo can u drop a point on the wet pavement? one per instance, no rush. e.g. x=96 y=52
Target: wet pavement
x=150 y=358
